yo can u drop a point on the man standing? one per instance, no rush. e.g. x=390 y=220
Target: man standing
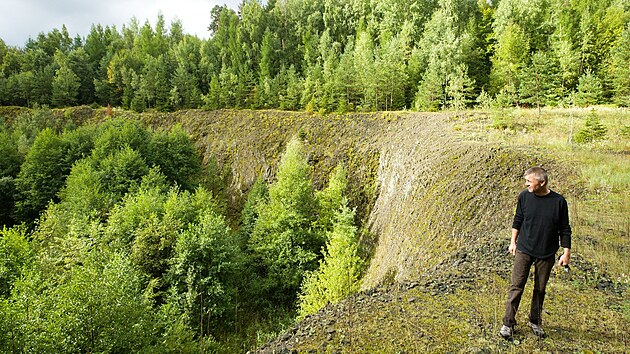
x=541 y=222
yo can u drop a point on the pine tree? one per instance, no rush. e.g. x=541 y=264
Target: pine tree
x=331 y=198
x=65 y=85
x=459 y=89
x=540 y=83
x=430 y=92
x=512 y=50
x=593 y=130
x=589 y=90
x=619 y=69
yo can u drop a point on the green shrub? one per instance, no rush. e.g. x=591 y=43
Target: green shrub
x=258 y=195
x=17 y=253
x=42 y=175
x=10 y=158
x=97 y=305
x=338 y=274
x=28 y=125
x=330 y=199
x=204 y=265
x=593 y=130
x=283 y=242
x=174 y=152
x=118 y=134
x=84 y=193
x=121 y=172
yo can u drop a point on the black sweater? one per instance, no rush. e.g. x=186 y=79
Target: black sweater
x=541 y=221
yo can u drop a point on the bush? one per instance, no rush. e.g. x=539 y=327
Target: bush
x=10 y=158
x=95 y=306
x=84 y=193
x=174 y=152
x=204 y=265
x=16 y=254
x=338 y=274
x=42 y=175
x=331 y=199
x=120 y=173
x=46 y=167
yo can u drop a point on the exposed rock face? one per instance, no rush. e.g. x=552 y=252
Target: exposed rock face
x=437 y=194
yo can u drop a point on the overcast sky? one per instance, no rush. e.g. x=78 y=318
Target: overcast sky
x=23 y=19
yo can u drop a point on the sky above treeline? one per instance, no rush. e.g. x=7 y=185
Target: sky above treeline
x=24 y=19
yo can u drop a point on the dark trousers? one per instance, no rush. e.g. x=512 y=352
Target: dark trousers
x=520 y=273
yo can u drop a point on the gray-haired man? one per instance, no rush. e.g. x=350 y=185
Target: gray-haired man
x=541 y=222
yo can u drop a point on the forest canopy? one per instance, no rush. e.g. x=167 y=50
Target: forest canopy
x=338 y=55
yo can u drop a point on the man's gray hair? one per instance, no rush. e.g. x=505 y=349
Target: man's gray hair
x=539 y=172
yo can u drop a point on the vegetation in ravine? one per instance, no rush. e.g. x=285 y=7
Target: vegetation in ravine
x=112 y=242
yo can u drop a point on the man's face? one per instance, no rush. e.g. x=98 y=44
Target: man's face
x=533 y=184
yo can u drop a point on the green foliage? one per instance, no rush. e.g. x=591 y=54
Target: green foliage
x=83 y=193
x=99 y=307
x=484 y=101
x=10 y=161
x=459 y=89
x=65 y=84
x=338 y=274
x=540 y=83
x=42 y=175
x=330 y=199
x=341 y=54
x=510 y=56
x=619 y=68
x=430 y=92
x=257 y=196
x=283 y=239
x=593 y=130
x=203 y=268
x=10 y=158
x=118 y=134
x=17 y=255
x=28 y=125
x=175 y=154
x=589 y=90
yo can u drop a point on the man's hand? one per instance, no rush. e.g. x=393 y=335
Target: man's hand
x=512 y=248
x=565 y=259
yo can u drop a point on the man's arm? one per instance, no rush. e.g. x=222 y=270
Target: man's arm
x=565 y=235
x=512 y=248
x=565 y=259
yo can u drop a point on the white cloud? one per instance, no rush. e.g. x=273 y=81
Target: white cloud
x=21 y=19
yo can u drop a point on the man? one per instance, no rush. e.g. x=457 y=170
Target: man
x=541 y=222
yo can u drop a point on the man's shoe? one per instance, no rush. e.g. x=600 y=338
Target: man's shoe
x=538 y=331
x=505 y=332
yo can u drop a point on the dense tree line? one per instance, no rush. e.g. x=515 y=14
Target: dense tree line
x=338 y=55
x=115 y=238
